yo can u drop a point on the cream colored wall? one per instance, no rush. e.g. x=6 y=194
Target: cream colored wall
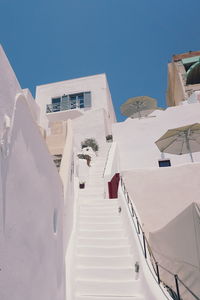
x=176 y=90
x=56 y=140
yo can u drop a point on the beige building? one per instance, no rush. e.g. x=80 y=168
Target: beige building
x=183 y=77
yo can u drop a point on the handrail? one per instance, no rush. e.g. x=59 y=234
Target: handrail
x=55 y=107
x=146 y=248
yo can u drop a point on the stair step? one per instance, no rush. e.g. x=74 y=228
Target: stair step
x=99 y=261
x=92 y=297
x=96 y=202
x=99 y=213
x=102 y=233
x=100 y=226
x=108 y=288
x=91 y=193
x=103 y=242
x=101 y=219
x=103 y=251
x=87 y=200
x=105 y=273
x=99 y=206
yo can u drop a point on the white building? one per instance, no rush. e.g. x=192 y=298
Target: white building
x=31 y=200
x=62 y=242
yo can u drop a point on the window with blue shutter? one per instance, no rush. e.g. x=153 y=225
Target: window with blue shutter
x=68 y=102
x=87 y=99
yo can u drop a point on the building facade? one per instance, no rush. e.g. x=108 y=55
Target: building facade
x=183 y=77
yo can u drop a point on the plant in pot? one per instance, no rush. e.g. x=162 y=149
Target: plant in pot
x=85 y=156
x=91 y=142
x=109 y=138
x=82 y=185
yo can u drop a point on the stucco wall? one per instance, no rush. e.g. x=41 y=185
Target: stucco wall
x=33 y=107
x=9 y=87
x=136 y=137
x=97 y=84
x=32 y=260
x=91 y=125
x=162 y=197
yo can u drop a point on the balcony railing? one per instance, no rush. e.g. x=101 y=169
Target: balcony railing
x=50 y=108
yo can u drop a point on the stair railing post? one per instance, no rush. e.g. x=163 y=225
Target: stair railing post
x=177 y=287
x=132 y=210
x=138 y=225
x=157 y=272
x=144 y=244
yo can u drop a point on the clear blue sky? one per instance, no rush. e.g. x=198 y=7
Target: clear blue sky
x=131 y=41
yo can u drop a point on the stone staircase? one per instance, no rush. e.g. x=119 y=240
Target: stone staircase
x=104 y=263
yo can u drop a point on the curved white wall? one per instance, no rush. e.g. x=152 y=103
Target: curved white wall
x=32 y=260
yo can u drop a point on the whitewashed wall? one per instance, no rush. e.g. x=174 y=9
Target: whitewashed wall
x=162 y=197
x=31 y=203
x=136 y=137
x=96 y=84
x=9 y=87
x=67 y=177
x=32 y=257
x=91 y=125
x=33 y=107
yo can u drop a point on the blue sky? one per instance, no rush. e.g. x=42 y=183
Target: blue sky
x=131 y=41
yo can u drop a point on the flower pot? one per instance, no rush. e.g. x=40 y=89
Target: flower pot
x=81 y=185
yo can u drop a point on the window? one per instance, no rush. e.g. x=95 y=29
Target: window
x=68 y=102
x=164 y=163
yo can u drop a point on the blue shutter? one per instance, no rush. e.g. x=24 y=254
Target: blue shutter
x=87 y=99
x=65 y=102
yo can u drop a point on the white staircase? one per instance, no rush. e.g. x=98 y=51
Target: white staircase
x=104 y=262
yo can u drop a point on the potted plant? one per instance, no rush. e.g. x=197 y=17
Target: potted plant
x=82 y=185
x=90 y=143
x=109 y=138
x=85 y=156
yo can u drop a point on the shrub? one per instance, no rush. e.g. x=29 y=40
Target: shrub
x=90 y=143
x=85 y=156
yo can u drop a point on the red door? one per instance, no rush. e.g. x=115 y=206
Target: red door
x=113 y=186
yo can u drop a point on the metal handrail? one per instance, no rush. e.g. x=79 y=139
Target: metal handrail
x=146 y=248
x=55 y=107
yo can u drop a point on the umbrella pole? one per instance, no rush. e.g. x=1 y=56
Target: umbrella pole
x=188 y=146
x=138 y=110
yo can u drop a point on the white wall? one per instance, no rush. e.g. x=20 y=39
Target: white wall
x=136 y=137
x=112 y=166
x=162 y=196
x=32 y=259
x=91 y=125
x=97 y=84
x=31 y=255
x=34 y=108
x=67 y=177
x=9 y=87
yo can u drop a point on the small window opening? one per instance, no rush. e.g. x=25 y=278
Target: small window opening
x=164 y=163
